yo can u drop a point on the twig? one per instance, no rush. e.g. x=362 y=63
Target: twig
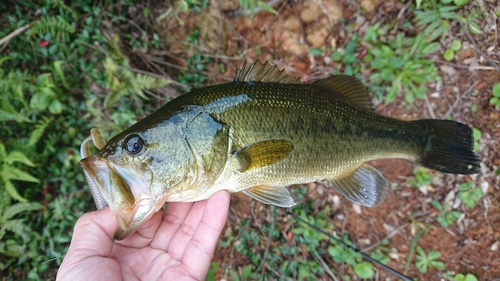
x=14 y=33
x=389 y=236
x=492 y=62
x=431 y=111
x=325 y=11
x=327 y=269
x=457 y=100
x=480 y=67
x=303 y=38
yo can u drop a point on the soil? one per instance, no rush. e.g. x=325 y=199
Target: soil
x=470 y=245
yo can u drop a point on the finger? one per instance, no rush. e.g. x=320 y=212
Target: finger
x=200 y=250
x=91 y=245
x=93 y=234
x=144 y=234
x=186 y=230
x=175 y=213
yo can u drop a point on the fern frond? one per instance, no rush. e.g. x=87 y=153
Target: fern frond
x=14 y=250
x=3 y=153
x=20 y=175
x=150 y=82
x=39 y=130
x=17 y=156
x=60 y=4
x=12 y=191
x=18 y=208
x=58 y=26
x=16 y=226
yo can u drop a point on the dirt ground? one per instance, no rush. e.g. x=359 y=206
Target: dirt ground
x=467 y=246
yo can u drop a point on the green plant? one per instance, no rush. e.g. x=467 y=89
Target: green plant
x=423 y=261
x=495 y=92
x=422 y=177
x=401 y=64
x=10 y=221
x=10 y=172
x=449 y=54
x=476 y=134
x=445 y=216
x=435 y=18
x=469 y=193
x=364 y=270
x=348 y=57
x=468 y=277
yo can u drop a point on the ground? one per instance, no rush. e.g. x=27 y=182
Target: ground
x=467 y=246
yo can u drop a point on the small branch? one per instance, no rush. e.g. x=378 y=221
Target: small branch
x=431 y=111
x=327 y=269
x=14 y=33
x=460 y=97
x=491 y=62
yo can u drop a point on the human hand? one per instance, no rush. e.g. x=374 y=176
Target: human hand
x=178 y=245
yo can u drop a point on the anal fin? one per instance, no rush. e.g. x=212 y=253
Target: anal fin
x=275 y=195
x=364 y=186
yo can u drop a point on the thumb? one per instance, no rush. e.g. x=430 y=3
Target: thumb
x=93 y=234
x=90 y=247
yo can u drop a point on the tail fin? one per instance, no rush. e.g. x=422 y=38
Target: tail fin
x=448 y=147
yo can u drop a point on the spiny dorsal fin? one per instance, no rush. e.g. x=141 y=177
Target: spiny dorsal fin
x=350 y=87
x=267 y=73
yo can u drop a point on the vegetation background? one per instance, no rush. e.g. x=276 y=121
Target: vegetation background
x=67 y=66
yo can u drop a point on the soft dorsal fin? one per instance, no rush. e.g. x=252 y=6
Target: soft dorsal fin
x=350 y=87
x=263 y=72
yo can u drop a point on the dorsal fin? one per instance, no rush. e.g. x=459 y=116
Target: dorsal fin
x=263 y=72
x=350 y=87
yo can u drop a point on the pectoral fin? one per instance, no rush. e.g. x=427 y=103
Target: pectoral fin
x=262 y=153
x=275 y=195
x=364 y=186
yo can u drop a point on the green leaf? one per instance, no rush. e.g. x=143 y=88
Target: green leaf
x=449 y=55
x=460 y=2
x=266 y=7
x=17 y=156
x=18 y=208
x=12 y=191
x=456 y=45
x=434 y=255
x=315 y=51
x=20 y=175
x=430 y=48
x=364 y=270
x=55 y=107
x=496 y=90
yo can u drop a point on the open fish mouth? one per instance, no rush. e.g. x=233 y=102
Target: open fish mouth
x=125 y=188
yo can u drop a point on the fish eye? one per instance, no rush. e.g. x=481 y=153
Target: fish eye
x=133 y=144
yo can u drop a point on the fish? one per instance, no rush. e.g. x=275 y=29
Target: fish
x=259 y=134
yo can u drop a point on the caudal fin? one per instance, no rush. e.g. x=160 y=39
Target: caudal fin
x=448 y=147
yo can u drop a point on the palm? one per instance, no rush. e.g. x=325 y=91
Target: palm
x=178 y=245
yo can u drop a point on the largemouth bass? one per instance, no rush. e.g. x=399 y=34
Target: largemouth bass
x=257 y=135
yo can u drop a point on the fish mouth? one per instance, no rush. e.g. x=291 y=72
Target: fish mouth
x=125 y=188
